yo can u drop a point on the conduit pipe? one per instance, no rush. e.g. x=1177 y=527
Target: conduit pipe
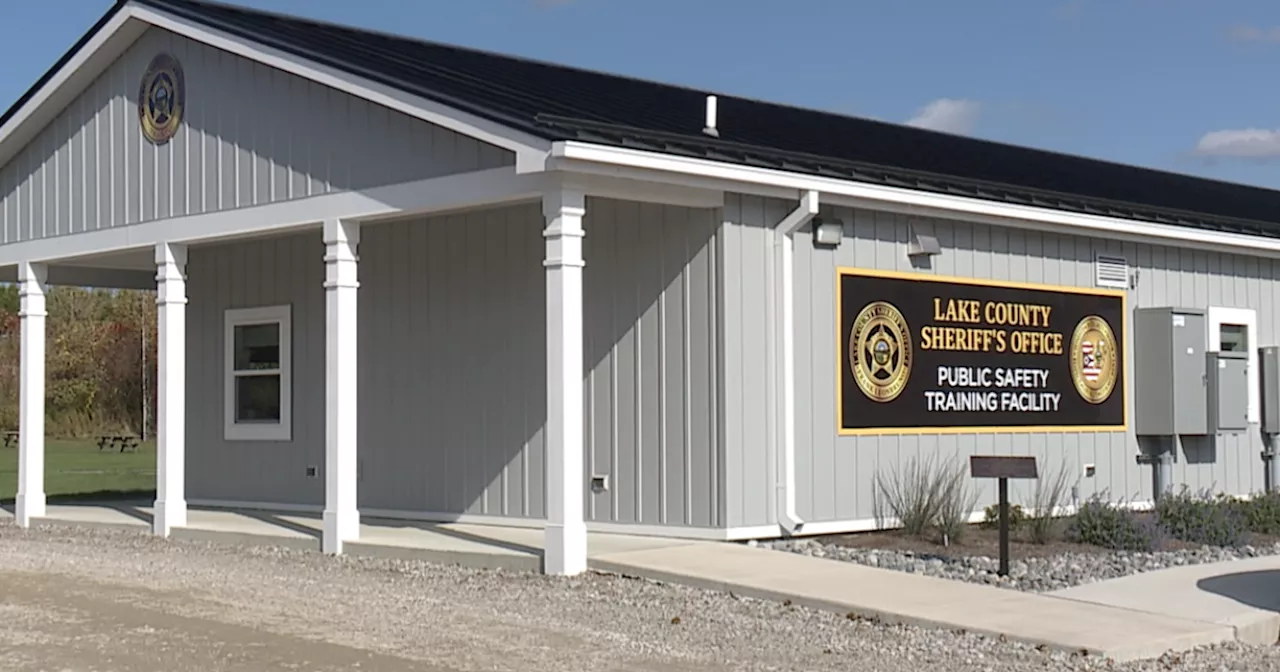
x=798 y=219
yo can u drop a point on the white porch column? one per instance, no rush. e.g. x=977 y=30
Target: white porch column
x=566 y=533
x=30 y=501
x=341 y=516
x=171 y=388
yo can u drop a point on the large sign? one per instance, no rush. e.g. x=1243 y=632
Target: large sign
x=922 y=353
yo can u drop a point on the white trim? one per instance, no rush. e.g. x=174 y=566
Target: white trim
x=655 y=166
x=30 y=502
x=341 y=380
x=495 y=186
x=112 y=40
x=565 y=538
x=170 y=509
x=414 y=106
x=235 y=431
x=638 y=191
x=861 y=525
x=1216 y=317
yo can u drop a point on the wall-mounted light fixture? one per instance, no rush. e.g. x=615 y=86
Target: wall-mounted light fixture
x=828 y=232
x=923 y=245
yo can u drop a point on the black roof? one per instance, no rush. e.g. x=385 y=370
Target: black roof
x=563 y=103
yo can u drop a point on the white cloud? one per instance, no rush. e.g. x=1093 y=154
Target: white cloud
x=1246 y=33
x=949 y=115
x=1250 y=143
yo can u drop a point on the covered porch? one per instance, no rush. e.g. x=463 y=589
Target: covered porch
x=160 y=254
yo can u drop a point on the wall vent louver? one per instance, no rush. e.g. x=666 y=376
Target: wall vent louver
x=1111 y=272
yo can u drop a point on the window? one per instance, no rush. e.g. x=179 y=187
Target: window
x=258 y=383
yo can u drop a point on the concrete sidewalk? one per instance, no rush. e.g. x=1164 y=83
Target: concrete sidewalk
x=1242 y=594
x=1055 y=622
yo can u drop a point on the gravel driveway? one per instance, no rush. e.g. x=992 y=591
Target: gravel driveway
x=119 y=601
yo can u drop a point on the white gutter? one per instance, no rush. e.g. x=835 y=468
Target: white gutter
x=656 y=166
x=801 y=216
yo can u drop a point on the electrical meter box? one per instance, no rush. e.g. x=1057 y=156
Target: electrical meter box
x=1227 y=377
x=1170 y=385
x=1269 y=378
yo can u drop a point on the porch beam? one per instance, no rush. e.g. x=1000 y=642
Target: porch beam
x=171 y=404
x=565 y=535
x=30 y=501
x=341 y=515
x=495 y=186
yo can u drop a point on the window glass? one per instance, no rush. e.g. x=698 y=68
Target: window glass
x=257 y=347
x=258 y=398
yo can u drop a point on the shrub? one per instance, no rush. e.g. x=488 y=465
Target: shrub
x=1262 y=513
x=956 y=502
x=926 y=497
x=1048 y=498
x=991 y=516
x=1101 y=523
x=1202 y=518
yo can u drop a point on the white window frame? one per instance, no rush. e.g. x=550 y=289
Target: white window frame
x=1219 y=316
x=258 y=431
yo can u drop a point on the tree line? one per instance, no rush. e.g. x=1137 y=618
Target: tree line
x=100 y=361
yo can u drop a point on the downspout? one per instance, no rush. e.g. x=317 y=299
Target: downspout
x=798 y=219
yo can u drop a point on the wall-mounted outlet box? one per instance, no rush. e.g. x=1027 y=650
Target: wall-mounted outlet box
x=599 y=483
x=312 y=471
x=1090 y=470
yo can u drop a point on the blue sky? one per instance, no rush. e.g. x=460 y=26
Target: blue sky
x=1183 y=85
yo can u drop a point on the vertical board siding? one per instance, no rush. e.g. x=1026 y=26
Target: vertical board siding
x=274 y=271
x=835 y=474
x=251 y=135
x=452 y=342
x=452 y=364
x=649 y=299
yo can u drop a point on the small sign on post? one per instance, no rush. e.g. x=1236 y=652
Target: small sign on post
x=1003 y=468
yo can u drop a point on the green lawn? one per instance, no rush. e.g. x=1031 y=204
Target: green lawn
x=78 y=469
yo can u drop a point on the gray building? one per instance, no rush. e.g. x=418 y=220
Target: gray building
x=402 y=279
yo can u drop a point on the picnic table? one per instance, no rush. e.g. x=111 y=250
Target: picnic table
x=10 y=438
x=122 y=442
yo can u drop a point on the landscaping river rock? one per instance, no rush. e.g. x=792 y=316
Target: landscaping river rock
x=1030 y=574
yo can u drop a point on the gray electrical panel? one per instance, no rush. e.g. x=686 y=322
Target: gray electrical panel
x=1228 y=387
x=1269 y=378
x=1169 y=390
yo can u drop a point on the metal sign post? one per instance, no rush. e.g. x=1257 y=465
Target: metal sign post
x=1003 y=468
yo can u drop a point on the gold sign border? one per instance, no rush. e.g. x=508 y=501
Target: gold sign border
x=843 y=271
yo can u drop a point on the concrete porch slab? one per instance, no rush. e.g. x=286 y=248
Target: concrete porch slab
x=467 y=545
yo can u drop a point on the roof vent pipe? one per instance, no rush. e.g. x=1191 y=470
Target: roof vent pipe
x=710 y=127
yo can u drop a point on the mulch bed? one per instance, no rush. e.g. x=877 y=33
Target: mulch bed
x=982 y=541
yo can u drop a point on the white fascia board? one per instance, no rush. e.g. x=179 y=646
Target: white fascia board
x=600 y=186
x=108 y=44
x=573 y=155
x=495 y=186
x=529 y=150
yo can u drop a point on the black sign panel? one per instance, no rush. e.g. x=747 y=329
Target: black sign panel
x=922 y=353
